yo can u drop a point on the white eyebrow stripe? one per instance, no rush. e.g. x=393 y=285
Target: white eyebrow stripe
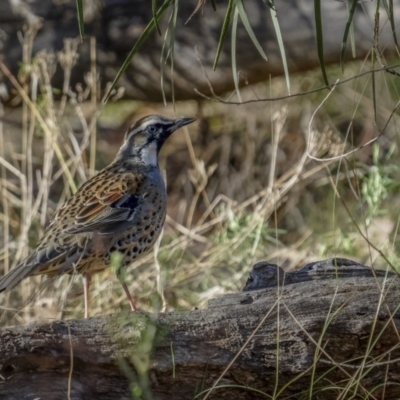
x=144 y=125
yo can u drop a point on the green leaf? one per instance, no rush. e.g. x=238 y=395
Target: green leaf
x=352 y=38
x=171 y=48
x=320 y=39
x=79 y=8
x=214 y=6
x=374 y=94
x=246 y=23
x=224 y=31
x=346 y=31
x=146 y=32
x=154 y=10
x=233 y=52
x=274 y=16
x=389 y=12
x=373 y=56
x=163 y=60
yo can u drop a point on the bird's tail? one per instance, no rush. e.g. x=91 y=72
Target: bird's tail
x=15 y=276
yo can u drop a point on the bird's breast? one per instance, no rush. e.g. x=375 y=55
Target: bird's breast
x=146 y=225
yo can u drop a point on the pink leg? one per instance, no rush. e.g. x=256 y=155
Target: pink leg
x=87 y=279
x=128 y=295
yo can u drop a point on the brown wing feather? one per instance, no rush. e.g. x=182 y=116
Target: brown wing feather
x=109 y=205
x=90 y=209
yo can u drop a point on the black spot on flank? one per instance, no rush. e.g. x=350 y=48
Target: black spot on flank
x=127 y=201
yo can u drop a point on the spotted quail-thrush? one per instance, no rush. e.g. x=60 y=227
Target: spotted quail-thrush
x=121 y=209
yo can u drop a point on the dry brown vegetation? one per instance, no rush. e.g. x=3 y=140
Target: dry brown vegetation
x=246 y=182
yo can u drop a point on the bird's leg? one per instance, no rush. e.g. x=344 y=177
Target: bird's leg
x=87 y=279
x=128 y=295
x=121 y=278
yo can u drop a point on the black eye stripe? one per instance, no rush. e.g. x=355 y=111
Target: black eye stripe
x=149 y=128
x=152 y=128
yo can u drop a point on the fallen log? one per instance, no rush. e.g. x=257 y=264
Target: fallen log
x=330 y=327
x=117 y=25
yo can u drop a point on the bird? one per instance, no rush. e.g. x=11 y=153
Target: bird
x=121 y=209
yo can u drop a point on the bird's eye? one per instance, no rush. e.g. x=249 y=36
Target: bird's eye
x=152 y=129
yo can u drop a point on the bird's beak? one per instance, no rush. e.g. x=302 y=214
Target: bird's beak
x=178 y=123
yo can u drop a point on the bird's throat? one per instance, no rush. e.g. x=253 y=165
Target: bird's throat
x=149 y=154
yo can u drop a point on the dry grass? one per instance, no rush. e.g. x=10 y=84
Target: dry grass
x=268 y=180
x=247 y=182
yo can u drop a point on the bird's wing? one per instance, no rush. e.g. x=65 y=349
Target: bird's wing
x=109 y=209
x=103 y=205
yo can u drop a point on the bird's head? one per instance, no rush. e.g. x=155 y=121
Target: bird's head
x=144 y=139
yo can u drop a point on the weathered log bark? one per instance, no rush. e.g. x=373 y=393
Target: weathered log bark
x=118 y=24
x=349 y=312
